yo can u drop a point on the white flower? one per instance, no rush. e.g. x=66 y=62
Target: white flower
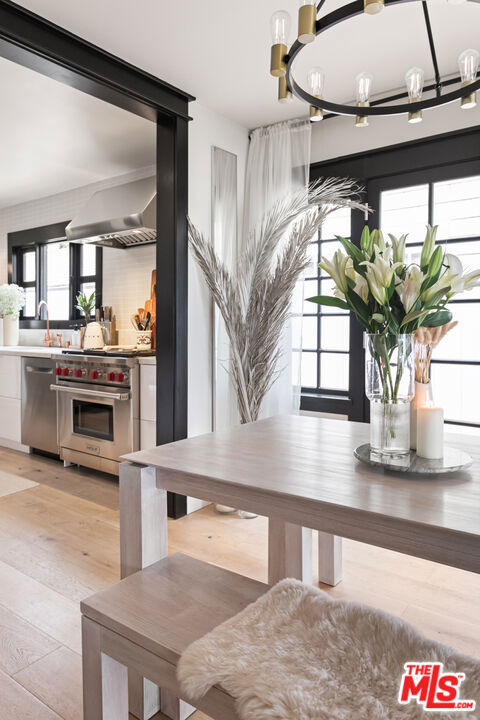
x=336 y=269
x=452 y=278
x=361 y=285
x=409 y=289
x=12 y=299
x=380 y=273
x=472 y=280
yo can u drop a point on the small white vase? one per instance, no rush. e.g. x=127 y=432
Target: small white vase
x=11 y=330
x=423 y=396
x=1 y=331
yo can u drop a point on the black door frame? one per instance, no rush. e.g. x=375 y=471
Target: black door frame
x=32 y=41
x=427 y=159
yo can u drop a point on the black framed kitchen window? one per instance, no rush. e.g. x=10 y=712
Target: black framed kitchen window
x=436 y=181
x=49 y=267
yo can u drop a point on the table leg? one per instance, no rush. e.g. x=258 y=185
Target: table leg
x=329 y=558
x=289 y=551
x=143 y=541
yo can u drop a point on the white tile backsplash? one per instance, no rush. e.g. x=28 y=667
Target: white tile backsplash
x=126 y=273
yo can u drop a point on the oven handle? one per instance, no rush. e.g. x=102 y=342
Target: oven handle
x=91 y=393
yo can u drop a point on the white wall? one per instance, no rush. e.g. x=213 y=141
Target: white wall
x=207 y=129
x=126 y=273
x=338 y=136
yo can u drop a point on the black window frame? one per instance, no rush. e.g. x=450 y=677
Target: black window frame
x=427 y=161
x=37 y=239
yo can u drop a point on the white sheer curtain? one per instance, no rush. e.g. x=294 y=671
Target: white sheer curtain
x=278 y=163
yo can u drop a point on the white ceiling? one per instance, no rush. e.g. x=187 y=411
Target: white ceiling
x=54 y=138
x=219 y=50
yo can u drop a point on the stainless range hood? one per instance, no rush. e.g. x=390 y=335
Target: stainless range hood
x=121 y=217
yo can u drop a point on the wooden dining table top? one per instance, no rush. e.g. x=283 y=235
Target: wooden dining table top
x=302 y=469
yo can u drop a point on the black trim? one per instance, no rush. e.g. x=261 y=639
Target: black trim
x=31 y=41
x=426 y=161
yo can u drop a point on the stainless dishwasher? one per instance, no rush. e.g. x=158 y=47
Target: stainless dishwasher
x=39 y=404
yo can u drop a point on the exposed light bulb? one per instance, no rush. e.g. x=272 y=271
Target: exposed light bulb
x=307 y=21
x=414 y=81
x=373 y=7
x=468 y=66
x=316 y=83
x=363 y=84
x=280 y=28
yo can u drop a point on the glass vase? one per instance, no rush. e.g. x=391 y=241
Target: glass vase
x=389 y=385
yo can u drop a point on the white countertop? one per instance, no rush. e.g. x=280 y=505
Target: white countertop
x=30 y=350
x=49 y=352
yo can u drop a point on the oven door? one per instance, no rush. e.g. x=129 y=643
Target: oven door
x=95 y=421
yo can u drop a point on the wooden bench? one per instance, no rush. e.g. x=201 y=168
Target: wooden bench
x=144 y=623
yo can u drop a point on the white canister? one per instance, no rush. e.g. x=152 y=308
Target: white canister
x=423 y=396
x=11 y=330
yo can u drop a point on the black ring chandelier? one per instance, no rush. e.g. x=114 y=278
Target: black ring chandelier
x=281 y=62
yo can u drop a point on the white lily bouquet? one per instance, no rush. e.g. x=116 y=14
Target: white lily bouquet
x=392 y=298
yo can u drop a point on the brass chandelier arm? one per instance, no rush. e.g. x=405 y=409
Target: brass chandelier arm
x=377 y=107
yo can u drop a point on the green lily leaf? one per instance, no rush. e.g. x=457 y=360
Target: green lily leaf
x=330 y=301
x=441 y=317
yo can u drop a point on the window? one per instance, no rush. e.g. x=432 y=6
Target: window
x=437 y=181
x=326 y=334
x=52 y=269
x=454 y=205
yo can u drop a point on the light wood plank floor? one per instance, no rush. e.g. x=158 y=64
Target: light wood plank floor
x=59 y=542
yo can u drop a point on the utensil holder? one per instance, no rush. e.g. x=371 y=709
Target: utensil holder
x=144 y=340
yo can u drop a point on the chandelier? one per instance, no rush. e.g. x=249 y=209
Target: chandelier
x=309 y=26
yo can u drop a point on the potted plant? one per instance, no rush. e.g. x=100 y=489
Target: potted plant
x=392 y=299
x=12 y=300
x=86 y=305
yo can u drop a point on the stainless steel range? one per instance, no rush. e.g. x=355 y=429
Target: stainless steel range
x=98 y=409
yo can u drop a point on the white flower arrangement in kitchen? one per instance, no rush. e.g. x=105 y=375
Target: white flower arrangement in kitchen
x=392 y=299
x=12 y=300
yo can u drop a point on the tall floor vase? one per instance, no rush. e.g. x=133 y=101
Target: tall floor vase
x=11 y=330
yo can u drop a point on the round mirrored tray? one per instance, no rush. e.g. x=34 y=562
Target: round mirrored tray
x=453 y=460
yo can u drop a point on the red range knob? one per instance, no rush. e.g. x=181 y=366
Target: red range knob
x=78 y=373
x=111 y=377
x=120 y=377
x=65 y=372
x=58 y=371
x=94 y=374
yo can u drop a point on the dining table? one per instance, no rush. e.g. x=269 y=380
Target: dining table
x=300 y=472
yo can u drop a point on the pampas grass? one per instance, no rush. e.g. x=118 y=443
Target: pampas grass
x=426 y=339
x=254 y=298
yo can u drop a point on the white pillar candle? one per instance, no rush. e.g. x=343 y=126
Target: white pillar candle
x=430 y=432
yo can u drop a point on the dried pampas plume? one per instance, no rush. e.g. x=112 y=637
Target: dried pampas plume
x=254 y=298
x=426 y=339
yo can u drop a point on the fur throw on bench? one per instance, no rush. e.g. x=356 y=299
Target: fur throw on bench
x=297 y=654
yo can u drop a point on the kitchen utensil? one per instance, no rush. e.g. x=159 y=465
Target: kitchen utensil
x=148 y=317
x=137 y=320
x=133 y=319
x=97 y=315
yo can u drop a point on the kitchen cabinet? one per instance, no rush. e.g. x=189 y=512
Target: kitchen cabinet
x=148 y=406
x=10 y=399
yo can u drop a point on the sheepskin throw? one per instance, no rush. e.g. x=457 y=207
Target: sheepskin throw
x=297 y=654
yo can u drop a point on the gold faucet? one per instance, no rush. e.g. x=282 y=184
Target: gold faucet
x=49 y=337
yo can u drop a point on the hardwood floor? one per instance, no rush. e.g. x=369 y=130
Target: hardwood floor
x=59 y=542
